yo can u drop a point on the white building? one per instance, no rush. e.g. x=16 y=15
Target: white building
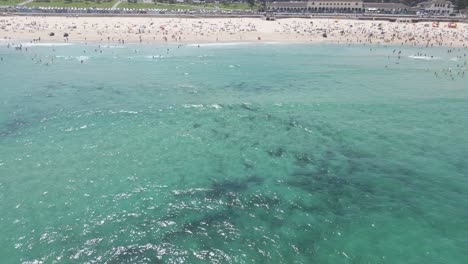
x=436 y=7
x=318 y=6
x=386 y=8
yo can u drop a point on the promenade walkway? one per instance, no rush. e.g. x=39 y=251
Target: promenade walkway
x=116 y=4
x=25 y=2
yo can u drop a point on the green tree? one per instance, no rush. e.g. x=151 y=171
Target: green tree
x=461 y=4
x=409 y=2
x=251 y=3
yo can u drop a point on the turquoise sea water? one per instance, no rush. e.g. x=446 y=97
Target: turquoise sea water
x=247 y=153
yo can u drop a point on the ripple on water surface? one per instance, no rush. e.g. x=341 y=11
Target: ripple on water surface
x=164 y=169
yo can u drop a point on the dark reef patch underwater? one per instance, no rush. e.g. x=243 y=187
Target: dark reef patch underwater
x=318 y=155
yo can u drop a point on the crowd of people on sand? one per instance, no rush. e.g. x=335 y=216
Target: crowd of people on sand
x=182 y=31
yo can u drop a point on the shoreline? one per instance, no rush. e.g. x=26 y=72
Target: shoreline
x=156 y=30
x=29 y=44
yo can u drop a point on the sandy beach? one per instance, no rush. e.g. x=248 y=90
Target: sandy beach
x=209 y=30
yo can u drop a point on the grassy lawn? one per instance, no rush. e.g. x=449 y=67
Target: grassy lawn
x=81 y=4
x=157 y=6
x=238 y=6
x=125 y=4
x=10 y=3
x=187 y=6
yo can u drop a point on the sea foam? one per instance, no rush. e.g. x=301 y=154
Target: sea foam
x=45 y=44
x=423 y=57
x=224 y=44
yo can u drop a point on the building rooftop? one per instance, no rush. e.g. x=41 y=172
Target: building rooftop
x=305 y=1
x=430 y=2
x=395 y=6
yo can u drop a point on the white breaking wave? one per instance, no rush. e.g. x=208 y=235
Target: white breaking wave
x=423 y=57
x=153 y=57
x=82 y=58
x=273 y=42
x=124 y=111
x=114 y=47
x=192 y=106
x=215 y=106
x=79 y=58
x=45 y=44
x=221 y=44
x=64 y=57
x=224 y=44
